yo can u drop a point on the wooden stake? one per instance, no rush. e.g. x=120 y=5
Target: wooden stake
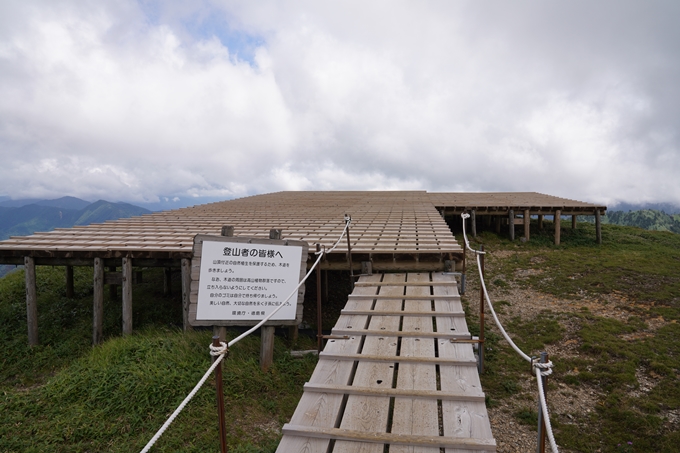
x=220 y=398
x=527 y=224
x=186 y=293
x=573 y=221
x=557 y=220
x=98 y=302
x=511 y=222
x=69 y=282
x=127 y=296
x=31 y=301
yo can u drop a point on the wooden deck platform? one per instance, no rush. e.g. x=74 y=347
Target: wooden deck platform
x=398 y=379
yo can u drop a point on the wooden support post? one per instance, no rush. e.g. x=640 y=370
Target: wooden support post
x=69 y=282
x=598 y=226
x=127 y=296
x=267 y=347
x=498 y=224
x=473 y=223
x=167 y=281
x=186 y=293
x=540 y=222
x=267 y=332
x=573 y=221
x=220 y=332
x=527 y=224
x=113 y=288
x=98 y=302
x=31 y=301
x=557 y=221
x=511 y=223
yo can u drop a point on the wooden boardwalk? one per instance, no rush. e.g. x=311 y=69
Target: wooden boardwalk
x=395 y=375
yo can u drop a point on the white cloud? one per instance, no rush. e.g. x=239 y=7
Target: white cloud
x=131 y=101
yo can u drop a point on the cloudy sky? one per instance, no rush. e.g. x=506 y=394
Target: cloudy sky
x=148 y=100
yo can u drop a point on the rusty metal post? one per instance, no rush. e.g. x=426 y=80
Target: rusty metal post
x=220 y=399
x=349 y=253
x=319 y=332
x=480 y=349
x=540 y=447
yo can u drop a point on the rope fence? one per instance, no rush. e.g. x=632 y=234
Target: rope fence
x=222 y=351
x=542 y=369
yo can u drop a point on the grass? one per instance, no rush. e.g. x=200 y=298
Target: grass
x=641 y=269
x=65 y=395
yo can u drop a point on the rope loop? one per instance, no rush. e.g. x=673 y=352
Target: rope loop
x=545 y=368
x=222 y=349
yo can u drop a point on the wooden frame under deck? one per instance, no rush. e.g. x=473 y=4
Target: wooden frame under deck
x=393 y=231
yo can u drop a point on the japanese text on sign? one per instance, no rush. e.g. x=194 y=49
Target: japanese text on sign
x=247 y=281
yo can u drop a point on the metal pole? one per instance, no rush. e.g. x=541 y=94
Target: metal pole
x=349 y=253
x=220 y=399
x=480 y=349
x=540 y=447
x=319 y=332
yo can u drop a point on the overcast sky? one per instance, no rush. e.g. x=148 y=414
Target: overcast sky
x=142 y=101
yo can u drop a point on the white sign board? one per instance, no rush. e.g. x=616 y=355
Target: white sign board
x=246 y=281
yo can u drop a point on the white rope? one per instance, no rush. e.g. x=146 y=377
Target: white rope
x=348 y=220
x=542 y=369
x=221 y=351
x=544 y=406
x=488 y=299
x=183 y=404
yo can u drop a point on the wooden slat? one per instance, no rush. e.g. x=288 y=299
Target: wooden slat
x=401 y=297
x=398 y=333
x=348 y=436
x=401 y=313
x=421 y=394
x=398 y=359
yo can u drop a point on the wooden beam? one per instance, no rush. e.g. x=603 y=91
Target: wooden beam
x=127 y=296
x=527 y=224
x=186 y=292
x=557 y=220
x=573 y=221
x=511 y=224
x=540 y=222
x=598 y=226
x=473 y=223
x=69 y=282
x=31 y=301
x=498 y=224
x=98 y=302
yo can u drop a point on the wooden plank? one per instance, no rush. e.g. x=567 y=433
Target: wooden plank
x=416 y=416
x=413 y=393
x=323 y=410
x=98 y=302
x=346 y=436
x=460 y=419
x=127 y=296
x=424 y=283
x=399 y=359
x=31 y=301
x=370 y=413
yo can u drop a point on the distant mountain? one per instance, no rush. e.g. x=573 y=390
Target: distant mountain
x=63 y=202
x=668 y=208
x=648 y=219
x=25 y=217
x=46 y=215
